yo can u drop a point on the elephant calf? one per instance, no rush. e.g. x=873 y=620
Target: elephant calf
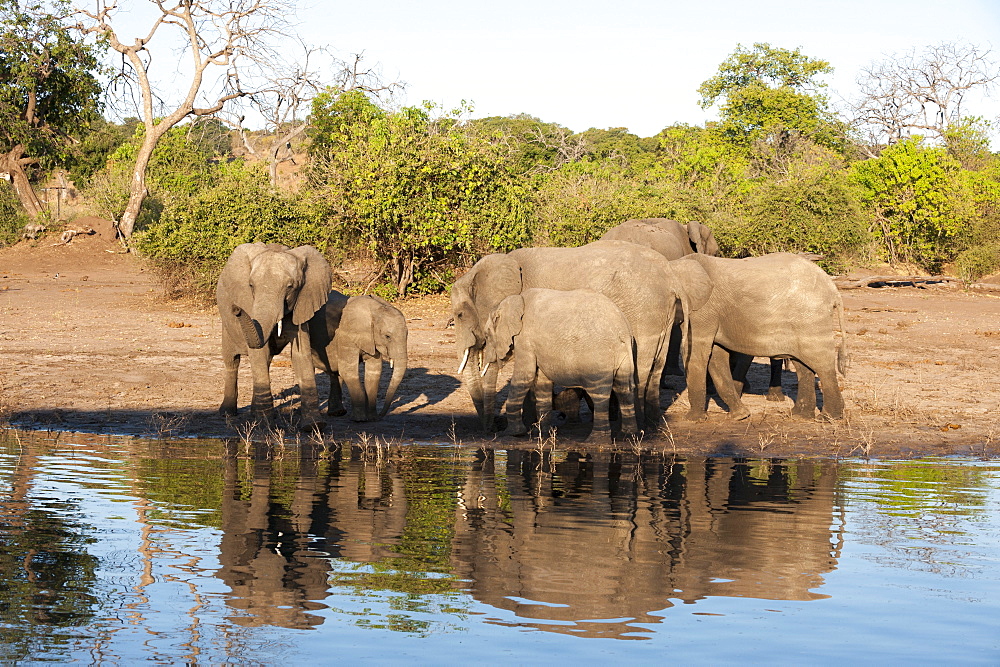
x=348 y=330
x=576 y=338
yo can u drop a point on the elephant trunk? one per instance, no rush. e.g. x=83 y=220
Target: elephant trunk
x=399 y=364
x=469 y=368
x=489 y=389
x=251 y=329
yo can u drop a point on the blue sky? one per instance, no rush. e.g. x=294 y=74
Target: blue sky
x=630 y=63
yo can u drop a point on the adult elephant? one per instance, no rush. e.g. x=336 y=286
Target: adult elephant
x=266 y=294
x=638 y=280
x=780 y=306
x=351 y=330
x=668 y=237
x=674 y=240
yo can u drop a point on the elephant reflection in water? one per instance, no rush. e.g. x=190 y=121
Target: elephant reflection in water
x=598 y=538
x=275 y=556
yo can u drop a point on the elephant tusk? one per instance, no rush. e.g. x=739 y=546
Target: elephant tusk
x=465 y=360
x=392 y=364
x=485 y=368
x=279 y=328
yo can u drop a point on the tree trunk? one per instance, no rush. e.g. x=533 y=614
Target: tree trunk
x=13 y=163
x=137 y=188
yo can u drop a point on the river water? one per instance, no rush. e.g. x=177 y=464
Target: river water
x=119 y=550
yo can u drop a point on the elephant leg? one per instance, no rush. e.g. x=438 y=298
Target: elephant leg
x=373 y=373
x=673 y=363
x=805 y=397
x=650 y=358
x=305 y=373
x=335 y=404
x=774 y=391
x=739 y=365
x=348 y=360
x=697 y=380
x=624 y=395
x=833 y=401
x=600 y=433
x=521 y=381
x=230 y=373
x=260 y=368
x=719 y=368
x=543 y=401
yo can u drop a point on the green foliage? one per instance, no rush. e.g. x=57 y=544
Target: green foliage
x=766 y=92
x=179 y=167
x=49 y=92
x=919 y=202
x=417 y=192
x=817 y=210
x=580 y=201
x=978 y=262
x=12 y=217
x=195 y=234
x=91 y=154
x=531 y=145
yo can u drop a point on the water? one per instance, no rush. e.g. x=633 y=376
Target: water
x=116 y=550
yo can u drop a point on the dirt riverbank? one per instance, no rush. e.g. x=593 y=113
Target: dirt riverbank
x=88 y=343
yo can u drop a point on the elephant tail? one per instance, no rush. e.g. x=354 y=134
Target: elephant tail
x=843 y=357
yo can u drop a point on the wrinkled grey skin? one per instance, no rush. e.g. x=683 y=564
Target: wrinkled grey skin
x=260 y=286
x=726 y=297
x=637 y=280
x=351 y=330
x=576 y=338
x=671 y=239
x=674 y=240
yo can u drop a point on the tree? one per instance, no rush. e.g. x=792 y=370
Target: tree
x=920 y=202
x=228 y=36
x=920 y=92
x=48 y=90
x=770 y=93
x=418 y=192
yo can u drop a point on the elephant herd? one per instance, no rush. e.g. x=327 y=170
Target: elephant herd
x=601 y=318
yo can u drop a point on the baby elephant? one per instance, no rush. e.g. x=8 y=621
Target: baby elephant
x=573 y=338
x=348 y=330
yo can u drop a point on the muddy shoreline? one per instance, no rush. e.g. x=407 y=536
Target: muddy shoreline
x=88 y=343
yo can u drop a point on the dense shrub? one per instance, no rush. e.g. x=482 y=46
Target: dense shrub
x=920 y=205
x=818 y=212
x=12 y=217
x=195 y=234
x=417 y=192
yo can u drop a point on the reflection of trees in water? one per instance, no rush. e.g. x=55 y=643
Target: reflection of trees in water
x=49 y=577
x=612 y=536
x=911 y=509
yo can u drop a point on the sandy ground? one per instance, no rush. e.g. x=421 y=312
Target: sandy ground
x=88 y=343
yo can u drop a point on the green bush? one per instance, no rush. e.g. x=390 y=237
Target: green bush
x=975 y=263
x=817 y=212
x=194 y=235
x=12 y=217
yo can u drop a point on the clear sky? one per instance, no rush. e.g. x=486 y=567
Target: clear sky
x=625 y=63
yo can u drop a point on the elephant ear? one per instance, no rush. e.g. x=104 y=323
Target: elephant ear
x=692 y=280
x=506 y=320
x=316 y=278
x=358 y=326
x=234 y=281
x=496 y=277
x=702 y=238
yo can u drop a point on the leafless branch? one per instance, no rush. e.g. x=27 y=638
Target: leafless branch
x=920 y=92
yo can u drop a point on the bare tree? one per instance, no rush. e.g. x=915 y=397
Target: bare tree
x=920 y=92
x=223 y=36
